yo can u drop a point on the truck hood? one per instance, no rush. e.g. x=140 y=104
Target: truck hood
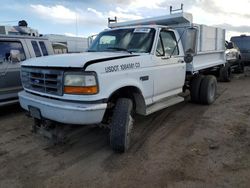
x=76 y=60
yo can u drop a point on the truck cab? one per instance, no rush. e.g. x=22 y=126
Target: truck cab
x=233 y=57
x=145 y=46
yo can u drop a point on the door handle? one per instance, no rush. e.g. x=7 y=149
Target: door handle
x=165 y=57
x=144 y=78
x=180 y=61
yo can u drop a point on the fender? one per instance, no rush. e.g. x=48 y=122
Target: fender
x=138 y=96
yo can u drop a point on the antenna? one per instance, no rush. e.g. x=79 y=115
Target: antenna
x=176 y=10
x=76 y=25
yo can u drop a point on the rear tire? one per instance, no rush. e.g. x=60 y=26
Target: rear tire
x=208 y=90
x=121 y=125
x=195 y=89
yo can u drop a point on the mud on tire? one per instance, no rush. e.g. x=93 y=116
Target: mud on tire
x=121 y=125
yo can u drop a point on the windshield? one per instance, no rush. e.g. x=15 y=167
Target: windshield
x=138 y=40
x=242 y=42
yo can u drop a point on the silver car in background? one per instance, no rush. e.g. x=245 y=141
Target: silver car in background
x=233 y=57
x=13 y=50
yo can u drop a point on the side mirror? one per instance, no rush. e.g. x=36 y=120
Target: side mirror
x=188 y=58
x=230 y=45
x=190 y=41
x=15 y=56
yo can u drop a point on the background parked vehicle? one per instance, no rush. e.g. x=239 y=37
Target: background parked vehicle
x=17 y=44
x=243 y=43
x=233 y=57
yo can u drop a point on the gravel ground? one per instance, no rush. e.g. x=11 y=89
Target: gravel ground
x=187 y=145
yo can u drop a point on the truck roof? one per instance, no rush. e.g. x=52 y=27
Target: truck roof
x=138 y=26
x=167 y=20
x=240 y=37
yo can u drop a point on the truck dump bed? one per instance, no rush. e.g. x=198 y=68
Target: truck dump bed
x=210 y=40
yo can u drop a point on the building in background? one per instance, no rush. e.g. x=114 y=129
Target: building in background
x=68 y=44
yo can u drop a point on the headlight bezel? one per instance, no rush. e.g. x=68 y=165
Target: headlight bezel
x=81 y=73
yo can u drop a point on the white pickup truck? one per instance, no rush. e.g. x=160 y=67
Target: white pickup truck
x=134 y=67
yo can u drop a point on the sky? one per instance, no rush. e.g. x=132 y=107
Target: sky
x=88 y=17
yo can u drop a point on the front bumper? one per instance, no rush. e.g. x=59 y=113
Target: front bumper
x=63 y=111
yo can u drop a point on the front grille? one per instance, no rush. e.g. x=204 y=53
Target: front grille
x=43 y=80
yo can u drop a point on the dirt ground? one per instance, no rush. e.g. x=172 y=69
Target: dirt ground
x=187 y=145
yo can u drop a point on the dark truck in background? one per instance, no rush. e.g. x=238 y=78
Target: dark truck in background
x=243 y=43
x=18 y=43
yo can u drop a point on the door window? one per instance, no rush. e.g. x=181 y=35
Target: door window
x=36 y=49
x=107 y=41
x=43 y=48
x=7 y=46
x=167 y=44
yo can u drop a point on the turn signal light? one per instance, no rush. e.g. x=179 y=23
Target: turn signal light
x=80 y=90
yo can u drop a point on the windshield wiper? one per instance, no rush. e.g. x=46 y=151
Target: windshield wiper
x=120 y=49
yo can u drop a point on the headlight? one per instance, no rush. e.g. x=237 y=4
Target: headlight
x=80 y=83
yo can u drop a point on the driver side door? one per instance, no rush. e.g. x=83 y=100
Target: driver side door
x=10 y=82
x=170 y=69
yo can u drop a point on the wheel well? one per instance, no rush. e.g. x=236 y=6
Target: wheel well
x=130 y=92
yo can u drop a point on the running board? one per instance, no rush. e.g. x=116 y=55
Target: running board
x=164 y=104
x=4 y=103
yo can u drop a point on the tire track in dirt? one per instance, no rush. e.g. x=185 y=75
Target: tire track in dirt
x=170 y=148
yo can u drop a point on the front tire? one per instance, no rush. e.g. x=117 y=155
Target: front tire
x=121 y=125
x=226 y=73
